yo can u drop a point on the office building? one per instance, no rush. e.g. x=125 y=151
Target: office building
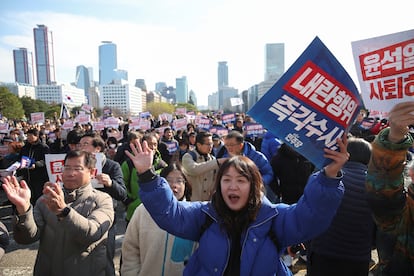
x=23 y=66
x=159 y=86
x=121 y=96
x=62 y=93
x=181 y=90
x=45 y=64
x=83 y=80
x=107 y=62
x=140 y=83
x=20 y=89
x=274 y=61
x=222 y=74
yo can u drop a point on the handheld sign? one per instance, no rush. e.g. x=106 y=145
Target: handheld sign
x=311 y=105
x=385 y=68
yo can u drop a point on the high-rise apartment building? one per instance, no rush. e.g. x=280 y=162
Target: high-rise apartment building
x=181 y=90
x=45 y=64
x=107 y=62
x=23 y=66
x=222 y=74
x=275 y=61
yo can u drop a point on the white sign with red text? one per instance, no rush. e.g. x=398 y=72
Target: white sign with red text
x=385 y=68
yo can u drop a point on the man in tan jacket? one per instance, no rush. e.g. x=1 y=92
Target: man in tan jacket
x=71 y=222
x=200 y=167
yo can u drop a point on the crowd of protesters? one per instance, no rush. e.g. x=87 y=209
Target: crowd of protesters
x=193 y=156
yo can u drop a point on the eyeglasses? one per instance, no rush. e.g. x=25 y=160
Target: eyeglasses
x=175 y=180
x=231 y=145
x=73 y=169
x=208 y=144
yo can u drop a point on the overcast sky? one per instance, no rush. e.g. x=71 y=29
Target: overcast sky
x=160 y=40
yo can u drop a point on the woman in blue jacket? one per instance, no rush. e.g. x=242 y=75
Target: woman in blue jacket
x=246 y=232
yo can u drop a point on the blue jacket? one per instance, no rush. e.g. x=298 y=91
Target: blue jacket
x=291 y=224
x=259 y=159
x=270 y=145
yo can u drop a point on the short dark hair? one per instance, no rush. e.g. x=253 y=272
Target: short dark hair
x=33 y=131
x=89 y=160
x=201 y=136
x=74 y=136
x=97 y=140
x=359 y=150
x=235 y=134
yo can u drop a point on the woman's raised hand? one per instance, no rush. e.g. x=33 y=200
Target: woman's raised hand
x=339 y=158
x=141 y=156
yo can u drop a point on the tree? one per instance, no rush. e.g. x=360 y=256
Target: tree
x=158 y=108
x=10 y=105
x=53 y=110
x=29 y=105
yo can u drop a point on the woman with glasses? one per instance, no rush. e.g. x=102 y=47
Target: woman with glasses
x=149 y=250
x=247 y=232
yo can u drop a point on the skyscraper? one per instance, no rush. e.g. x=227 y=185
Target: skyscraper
x=23 y=66
x=275 y=61
x=181 y=90
x=82 y=79
x=107 y=62
x=45 y=64
x=222 y=74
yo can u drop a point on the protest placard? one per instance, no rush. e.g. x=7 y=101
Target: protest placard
x=311 y=105
x=385 y=69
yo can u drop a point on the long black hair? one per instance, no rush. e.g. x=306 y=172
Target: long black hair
x=238 y=221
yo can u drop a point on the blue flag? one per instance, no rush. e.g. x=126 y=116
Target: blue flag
x=311 y=105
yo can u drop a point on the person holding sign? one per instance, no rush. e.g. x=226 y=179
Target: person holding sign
x=249 y=231
x=392 y=205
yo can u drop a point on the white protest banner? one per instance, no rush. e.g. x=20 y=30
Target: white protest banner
x=385 y=68
x=37 y=117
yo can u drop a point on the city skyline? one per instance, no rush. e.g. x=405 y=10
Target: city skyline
x=160 y=41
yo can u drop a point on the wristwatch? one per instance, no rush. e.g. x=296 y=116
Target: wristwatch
x=64 y=212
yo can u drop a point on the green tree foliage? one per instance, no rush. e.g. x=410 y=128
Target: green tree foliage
x=29 y=105
x=158 y=108
x=53 y=111
x=10 y=105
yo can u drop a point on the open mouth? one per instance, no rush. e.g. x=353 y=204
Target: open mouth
x=233 y=198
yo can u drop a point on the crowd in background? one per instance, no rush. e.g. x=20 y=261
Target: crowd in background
x=190 y=160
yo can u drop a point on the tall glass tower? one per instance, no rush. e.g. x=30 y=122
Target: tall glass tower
x=275 y=60
x=107 y=62
x=82 y=79
x=45 y=64
x=222 y=74
x=181 y=90
x=23 y=66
